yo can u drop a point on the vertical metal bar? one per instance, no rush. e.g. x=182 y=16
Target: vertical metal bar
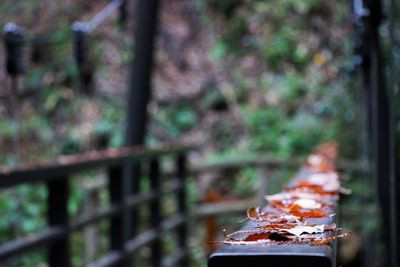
x=57 y=215
x=15 y=41
x=84 y=62
x=139 y=93
x=381 y=130
x=362 y=60
x=155 y=212
x=116 y=198
x=182 y=229
x=130 y=185
x=123 y=14
x=394 y=148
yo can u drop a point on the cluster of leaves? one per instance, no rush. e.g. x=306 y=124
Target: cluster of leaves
x=288 y=218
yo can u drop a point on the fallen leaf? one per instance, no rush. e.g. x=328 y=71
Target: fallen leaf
x=253 y=213
x=310 y=214
x=308 y=203
x=299 y=230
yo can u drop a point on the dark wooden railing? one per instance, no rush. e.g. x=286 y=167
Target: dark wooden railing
x=57 y=176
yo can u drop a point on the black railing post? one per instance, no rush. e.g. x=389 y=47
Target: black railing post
x=362 y=64
x=155 y=212
x=57 y=216
x=130 y=186
x=182 y=205
x=123 y=14
x=116 y=198
x=84 y=62
x=394 y=98
x=14 y=41
x=381 y=133
x=381 y=130
x=139 y=93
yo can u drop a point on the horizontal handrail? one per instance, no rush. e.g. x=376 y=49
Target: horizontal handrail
x=130 y=202
x=113 y=157
x=27 y=243
x=104 y=14
x=67 y=165
x=94 y=217
x=272 y=162
x=107 y=260
x=150 y=235
x=54 y=233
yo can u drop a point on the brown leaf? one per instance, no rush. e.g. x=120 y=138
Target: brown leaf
x=253 y=213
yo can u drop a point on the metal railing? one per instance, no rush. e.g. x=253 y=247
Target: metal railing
x=376 y=68
x=57 y=177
